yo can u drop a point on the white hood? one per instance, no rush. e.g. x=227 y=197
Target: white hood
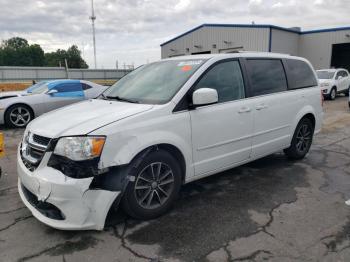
x=84 y=117
x=321 y=81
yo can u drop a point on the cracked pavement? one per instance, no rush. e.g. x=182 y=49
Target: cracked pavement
x=272 y=209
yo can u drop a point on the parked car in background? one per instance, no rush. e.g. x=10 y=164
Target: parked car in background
x=333 y=82
x=18 y=108
x=163 y=125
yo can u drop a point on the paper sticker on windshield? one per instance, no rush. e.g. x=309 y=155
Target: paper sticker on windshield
x=190 y=63
x=186 y=68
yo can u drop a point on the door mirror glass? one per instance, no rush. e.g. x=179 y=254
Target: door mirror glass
x=52 y=92
x=205 y=96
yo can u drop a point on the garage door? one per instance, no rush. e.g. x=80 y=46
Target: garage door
x=341 y=56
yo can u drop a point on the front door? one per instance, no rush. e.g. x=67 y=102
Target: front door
x=221 y=133
x=342 y=78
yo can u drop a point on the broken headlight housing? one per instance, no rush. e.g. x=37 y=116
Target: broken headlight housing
x=80 y=148
x=77 y=157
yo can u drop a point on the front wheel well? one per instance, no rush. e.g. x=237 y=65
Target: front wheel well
x=20 y=104
x=173 y=150
x=8 y=110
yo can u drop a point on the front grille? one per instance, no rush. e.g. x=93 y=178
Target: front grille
x=33 y=149
x=41 y=140
x=45 y=208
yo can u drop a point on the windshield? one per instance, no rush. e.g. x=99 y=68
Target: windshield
x=154 y=83
x=325 y=74
x=38 y=88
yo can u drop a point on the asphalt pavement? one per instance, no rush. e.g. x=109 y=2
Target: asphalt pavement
x=272 y=209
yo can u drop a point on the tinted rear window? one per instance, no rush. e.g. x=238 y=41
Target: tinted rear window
x=300 y=74
x=267 y=76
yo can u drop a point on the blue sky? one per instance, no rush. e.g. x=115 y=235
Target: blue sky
x=131 y=31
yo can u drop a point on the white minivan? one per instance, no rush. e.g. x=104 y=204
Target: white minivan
x=163 y=125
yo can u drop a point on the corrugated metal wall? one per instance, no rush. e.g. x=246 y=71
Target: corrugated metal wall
x=317 y=47
x=218 y=39
x=284 y=42
x=10 y=74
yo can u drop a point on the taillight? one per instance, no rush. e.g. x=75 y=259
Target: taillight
x=322 y=98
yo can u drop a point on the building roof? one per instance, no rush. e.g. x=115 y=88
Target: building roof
x=291 y=30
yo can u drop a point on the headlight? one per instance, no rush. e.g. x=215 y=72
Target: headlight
x=324 y=84
x=80 y=148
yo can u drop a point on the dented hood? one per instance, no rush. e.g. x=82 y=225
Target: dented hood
x=84 y=117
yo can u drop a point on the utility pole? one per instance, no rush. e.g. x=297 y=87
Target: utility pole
x=93 y=18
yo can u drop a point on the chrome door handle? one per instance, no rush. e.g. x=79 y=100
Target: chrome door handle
x=244 y=110
x=260 y=107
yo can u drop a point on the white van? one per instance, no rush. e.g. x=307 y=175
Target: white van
x=163 y=125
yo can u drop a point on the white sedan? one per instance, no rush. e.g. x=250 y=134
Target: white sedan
x=18 y=108
x=333 y=82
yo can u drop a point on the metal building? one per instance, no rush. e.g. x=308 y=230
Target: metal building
x=324 y=48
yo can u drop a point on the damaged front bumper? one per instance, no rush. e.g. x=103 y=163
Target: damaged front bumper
x=63 y=202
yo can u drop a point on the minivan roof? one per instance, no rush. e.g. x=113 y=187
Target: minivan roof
x=332 y=69
x=236 y=54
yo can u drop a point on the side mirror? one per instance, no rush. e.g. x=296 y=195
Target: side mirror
x=52 y=92
x=205 y=96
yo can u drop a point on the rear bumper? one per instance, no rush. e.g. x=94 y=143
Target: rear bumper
x=62 y=202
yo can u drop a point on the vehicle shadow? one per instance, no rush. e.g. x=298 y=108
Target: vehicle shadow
x=218 y=207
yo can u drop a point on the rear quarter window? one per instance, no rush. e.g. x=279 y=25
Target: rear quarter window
x=300 y=74
x=267 y=76
x=86 y=86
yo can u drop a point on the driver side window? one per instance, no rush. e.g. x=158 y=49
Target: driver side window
x=338 y=75
x=226 y=78
x=68 y=90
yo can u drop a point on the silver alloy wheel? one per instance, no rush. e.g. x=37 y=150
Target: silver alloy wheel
x=154 y=185
x=20 y=116
x=333 y=94
x=303 y=138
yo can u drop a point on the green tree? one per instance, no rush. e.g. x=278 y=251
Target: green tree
x=37 y=55
x=73 y=56
x=16 y=51
x=15 y=43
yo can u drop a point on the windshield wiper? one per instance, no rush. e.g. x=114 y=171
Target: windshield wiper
x=118 y=98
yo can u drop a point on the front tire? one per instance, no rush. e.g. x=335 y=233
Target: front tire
x=333 y=93
x=18 y=116
x=302 y=140
x=155 y=188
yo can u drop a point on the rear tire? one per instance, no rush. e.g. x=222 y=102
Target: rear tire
x=18 y=116
x=301 y=141
x=156 y=186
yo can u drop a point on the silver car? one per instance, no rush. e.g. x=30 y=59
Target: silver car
x=18 y=108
